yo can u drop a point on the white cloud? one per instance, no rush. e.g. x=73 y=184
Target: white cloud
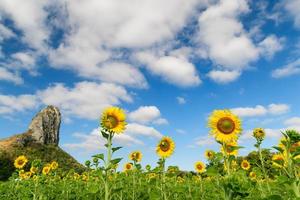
x=13 y=104
x=161 y=121
x=223 y=77
x=292 y=121
x=259 y=110
x=224 y=37
x=94 y=141
x=287 y=70
x=142 y=130
x=181 y=100
x=250 y=111
x=86 y=99
x=146 y=115
x=5 y=33
x=173 y=70
x=205 y=141
x=6 y=75
x=278 y=109
x=29 y=18
x=270 y=45
x=293 y=8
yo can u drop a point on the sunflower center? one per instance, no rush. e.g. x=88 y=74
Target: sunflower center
x=245 y=164
x=226 y=125
x=20 y=162
x=199 y=167
x=111 y=122
x=164 y=146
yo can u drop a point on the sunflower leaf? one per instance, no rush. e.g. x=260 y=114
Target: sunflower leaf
x=99 y=156
x=105 y=135
x=114 y=149
x=115 y=161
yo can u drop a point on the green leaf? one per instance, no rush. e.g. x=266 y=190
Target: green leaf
x=212 y=171
x=115 y=161
x=99 y=156
x=278 y=148
x=105 y=135
x=114 y=149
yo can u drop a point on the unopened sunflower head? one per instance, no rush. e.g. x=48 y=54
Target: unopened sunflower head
x=225 y=126
x=113 y=119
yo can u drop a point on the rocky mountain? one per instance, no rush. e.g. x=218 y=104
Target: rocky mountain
x=40 y=141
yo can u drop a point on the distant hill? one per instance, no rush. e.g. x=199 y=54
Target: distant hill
x=40 y=141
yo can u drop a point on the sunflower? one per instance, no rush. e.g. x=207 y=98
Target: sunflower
x=278 y=160
x=165 y=147
x=20 y=162
x=46 y=169
x=200 y=167
x=259 y=133
x=209 y=154
x=245 y=165
x=252 y=175
x=128 y=166
x=136 y=156
x=54 y=165
x=225 y=126
x=229 y=149
x=113 y=119
x=34 y=170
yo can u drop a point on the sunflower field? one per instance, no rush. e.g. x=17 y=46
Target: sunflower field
x=264 y=174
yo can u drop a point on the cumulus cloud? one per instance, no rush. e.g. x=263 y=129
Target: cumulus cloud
x=35 y=31
x=270 y=45
x=146 y=115
x=224 y=37
x=223 y=77
x=94 y=141
x=293 y=8
x=293 y=123
x=85 y=99
x=5 y=33
x=142 y=130
x=6 y=75
x=174 y=70
x=290 y=69
x=259 y=110
x=11 y=104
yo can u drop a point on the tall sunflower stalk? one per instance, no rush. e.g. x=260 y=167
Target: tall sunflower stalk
x=164 y=149
x=112 y=122
x=259 y=134
x=225 y=127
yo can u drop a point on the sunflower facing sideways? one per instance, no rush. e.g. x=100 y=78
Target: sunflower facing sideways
x=200 y=167
x=20 y=162
x=209 y=154
x=165 y=147
x=225 y=126
x=113 y=119
x=229 y=149
x=136 y=156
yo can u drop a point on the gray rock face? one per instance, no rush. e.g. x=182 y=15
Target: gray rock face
x=44 y=127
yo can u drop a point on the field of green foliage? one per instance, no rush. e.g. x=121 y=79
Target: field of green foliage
x=264 y=174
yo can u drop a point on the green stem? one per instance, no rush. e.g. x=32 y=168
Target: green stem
x=107 y=164
x=263 y=167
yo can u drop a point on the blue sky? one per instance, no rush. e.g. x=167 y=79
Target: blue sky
x=169 y=64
